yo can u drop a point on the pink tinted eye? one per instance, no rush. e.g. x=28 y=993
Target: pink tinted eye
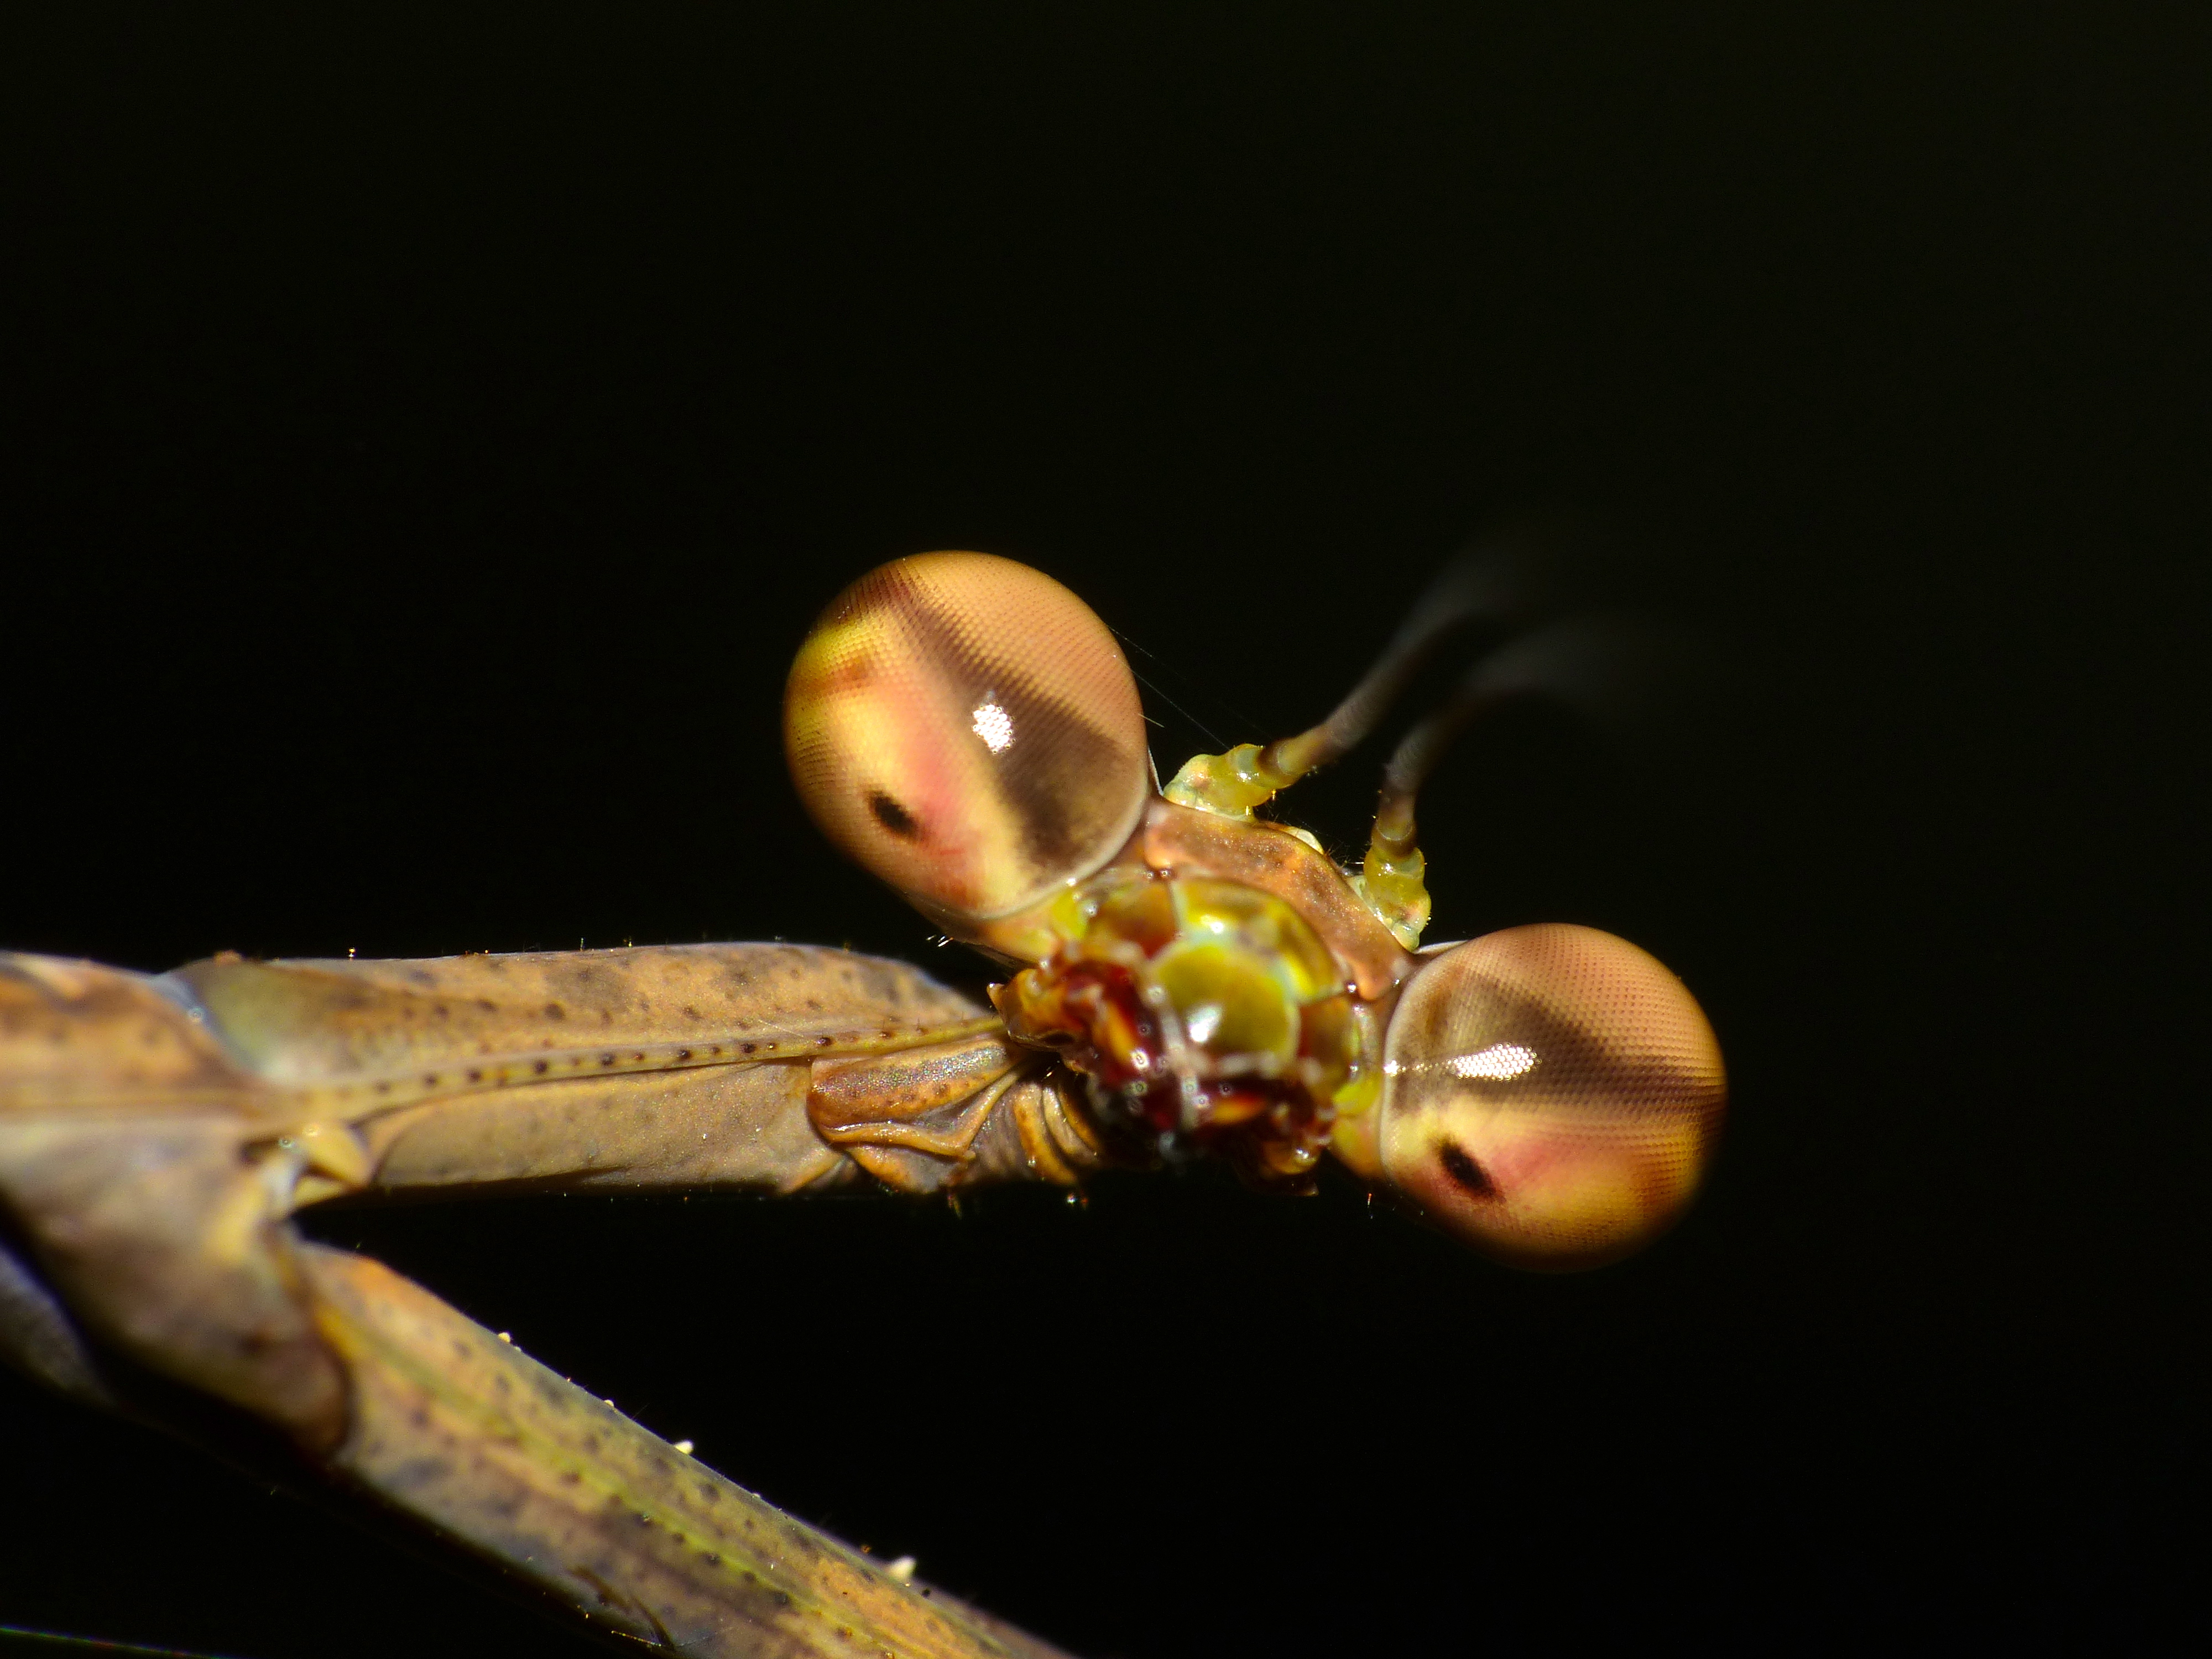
x=1550 y=1094
x=967 y=729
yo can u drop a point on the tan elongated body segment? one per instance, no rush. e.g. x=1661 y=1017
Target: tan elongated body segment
x=157 y=1132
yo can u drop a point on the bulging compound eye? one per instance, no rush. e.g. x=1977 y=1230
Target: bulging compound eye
x=966 y=728
x=1550 y=1094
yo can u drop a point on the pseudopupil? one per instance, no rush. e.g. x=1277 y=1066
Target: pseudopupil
x=1468 y=1176
x=893 y=816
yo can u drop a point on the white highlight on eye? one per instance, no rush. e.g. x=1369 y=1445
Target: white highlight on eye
x=1202 y=1021
x=1498 y=1063
x=995 y=726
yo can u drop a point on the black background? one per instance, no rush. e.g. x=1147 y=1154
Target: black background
x=431 y=435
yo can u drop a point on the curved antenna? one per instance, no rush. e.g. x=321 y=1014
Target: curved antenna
x=1594 y=664
x=1501 y=581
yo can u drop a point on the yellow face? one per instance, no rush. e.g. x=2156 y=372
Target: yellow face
x=1549 y=1094
x=967 y=729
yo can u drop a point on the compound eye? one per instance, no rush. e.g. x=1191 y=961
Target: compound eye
x=1550 y=1094
x=967 y=729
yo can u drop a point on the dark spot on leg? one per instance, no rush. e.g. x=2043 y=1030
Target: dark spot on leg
x=1467 y=1175
x=893 y=816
